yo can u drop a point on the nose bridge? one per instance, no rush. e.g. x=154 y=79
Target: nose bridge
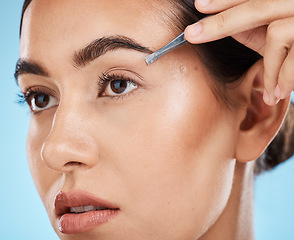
x=70 y=142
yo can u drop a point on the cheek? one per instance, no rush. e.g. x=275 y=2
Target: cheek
x=177 y=159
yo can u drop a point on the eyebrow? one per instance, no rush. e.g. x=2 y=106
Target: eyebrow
x=103 y=45
x=84 y=56
x=24 y=66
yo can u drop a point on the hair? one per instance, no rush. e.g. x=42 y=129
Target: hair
x=227 y=60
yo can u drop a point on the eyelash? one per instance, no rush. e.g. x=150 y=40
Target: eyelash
x=21 y=99
x=105 y=79
x=25 y=97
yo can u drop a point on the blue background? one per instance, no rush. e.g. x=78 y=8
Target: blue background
x=22 y=215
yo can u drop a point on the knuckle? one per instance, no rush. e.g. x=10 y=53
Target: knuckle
x=220 y=20
x=274 y=31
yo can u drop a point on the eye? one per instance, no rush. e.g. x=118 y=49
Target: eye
x=115 y=85
x=38 y=99
x=119 y=87
x=41 y=101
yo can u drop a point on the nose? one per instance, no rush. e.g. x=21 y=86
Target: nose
x=70 y=144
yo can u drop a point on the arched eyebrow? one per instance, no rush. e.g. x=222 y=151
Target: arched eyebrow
x=85 y=55
x=103 y=45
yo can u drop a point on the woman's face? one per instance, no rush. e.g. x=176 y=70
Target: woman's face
x=152 y=141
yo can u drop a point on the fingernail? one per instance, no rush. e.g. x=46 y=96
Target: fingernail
x=203 y=3
x=266 y=97
x=195 y=30
x=278 y=92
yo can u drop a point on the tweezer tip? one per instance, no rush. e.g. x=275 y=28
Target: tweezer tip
x=178 y=41
x=149 y=59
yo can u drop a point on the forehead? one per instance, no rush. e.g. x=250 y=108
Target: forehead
x=70 y=24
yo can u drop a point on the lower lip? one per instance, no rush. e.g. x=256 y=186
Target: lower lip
x=71 y=223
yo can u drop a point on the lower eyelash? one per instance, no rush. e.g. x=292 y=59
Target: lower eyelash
x=120 y=97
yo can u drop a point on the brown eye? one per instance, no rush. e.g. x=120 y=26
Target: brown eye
x=118 y=86
x=41 y=101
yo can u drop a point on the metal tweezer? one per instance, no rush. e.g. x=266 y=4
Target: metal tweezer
x=177 y=42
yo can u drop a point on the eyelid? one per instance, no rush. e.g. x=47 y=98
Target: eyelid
x=38 y=89
x=127 y=71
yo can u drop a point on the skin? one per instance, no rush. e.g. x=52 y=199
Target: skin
x=262 y=25
x=164 y=153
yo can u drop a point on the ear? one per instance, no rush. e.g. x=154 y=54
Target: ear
x=259 y=122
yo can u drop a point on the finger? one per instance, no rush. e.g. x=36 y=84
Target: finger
x=286 y=77
x=254 y=39
x=243 y=17
x=213 y=6
x=279 y=39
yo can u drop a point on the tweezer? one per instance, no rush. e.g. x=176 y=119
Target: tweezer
x=177 y=42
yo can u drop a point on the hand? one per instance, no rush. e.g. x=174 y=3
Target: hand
x=266 y=26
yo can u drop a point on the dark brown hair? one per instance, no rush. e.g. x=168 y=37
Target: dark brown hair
x=227 y=60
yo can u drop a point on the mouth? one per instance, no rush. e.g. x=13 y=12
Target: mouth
x=82 y=209
x=79 y=212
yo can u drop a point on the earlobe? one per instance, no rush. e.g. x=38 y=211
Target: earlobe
x=261 y=122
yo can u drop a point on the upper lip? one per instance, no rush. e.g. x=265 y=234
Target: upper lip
x=64 y=201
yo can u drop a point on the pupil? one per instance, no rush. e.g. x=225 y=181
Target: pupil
x=118 y=86
x=41 y=100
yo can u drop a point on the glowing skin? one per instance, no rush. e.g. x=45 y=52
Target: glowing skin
x=164 y=153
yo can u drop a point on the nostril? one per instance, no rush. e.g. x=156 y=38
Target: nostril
x=73 y=163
